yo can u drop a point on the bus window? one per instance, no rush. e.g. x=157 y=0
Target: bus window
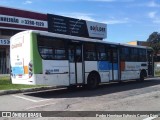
x=134 y=54
x=101 y=52
x=46 y=53
x=78 y=54
x=51 y=48
x=125 y=54
x=90 y=52
x=142 y=55
x=71 y=54
x=59 y=53
x=115 y=57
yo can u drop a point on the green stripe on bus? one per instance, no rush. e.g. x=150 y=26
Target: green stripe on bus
x=35 y=57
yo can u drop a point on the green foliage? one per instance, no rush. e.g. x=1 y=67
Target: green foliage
x=154 y=37
x=154 y=41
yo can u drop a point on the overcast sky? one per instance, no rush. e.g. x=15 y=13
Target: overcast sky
x=127 y=20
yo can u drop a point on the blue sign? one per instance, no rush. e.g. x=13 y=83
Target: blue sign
x=17 y=70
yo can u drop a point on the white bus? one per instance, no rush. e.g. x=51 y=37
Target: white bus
x=43 y=58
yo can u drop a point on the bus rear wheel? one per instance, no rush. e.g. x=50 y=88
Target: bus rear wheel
x=142 y=75
x=71 y=87
x=92 y=81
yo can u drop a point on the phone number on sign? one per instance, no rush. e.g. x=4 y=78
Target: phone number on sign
x=34 y=23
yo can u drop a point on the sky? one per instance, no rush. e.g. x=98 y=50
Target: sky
x=127 y=20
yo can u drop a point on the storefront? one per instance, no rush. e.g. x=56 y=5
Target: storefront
x=13 y=21
x=4 y=56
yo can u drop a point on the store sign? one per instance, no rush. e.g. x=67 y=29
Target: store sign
x=4 y=42
x=76 y=27
x=11 y=18
x=23 y=21
x=98 y=30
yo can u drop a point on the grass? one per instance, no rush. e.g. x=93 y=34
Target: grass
x=6 y=84
x=157 y=73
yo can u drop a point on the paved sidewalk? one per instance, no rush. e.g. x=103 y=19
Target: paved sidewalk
x=14 y=91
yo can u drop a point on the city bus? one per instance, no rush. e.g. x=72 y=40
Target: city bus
x=43 y=58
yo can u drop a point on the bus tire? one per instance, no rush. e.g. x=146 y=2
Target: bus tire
x=143 y=74
x=93 y=80
x=71 y=87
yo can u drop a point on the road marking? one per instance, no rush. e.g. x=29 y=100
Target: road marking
x=39 y=106
x=29 y=98
x=24 y=98
x=150 y=118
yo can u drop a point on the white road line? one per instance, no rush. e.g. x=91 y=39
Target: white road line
x=29 y=98
x=43 y=100
x=150 y=118
x=39 y=106
x=24 y=98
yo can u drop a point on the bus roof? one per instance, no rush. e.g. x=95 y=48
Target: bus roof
x=45 y=33
x=71 y=37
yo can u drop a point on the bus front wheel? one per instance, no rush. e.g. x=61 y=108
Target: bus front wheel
x=92 y=81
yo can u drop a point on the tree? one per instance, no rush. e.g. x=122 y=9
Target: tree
x=154 y=42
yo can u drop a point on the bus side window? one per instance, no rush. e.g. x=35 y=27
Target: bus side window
x=142 y=55
x=51 y=48
x=134 y=54
x=71 y=54
x=90 y=52
x=125 y=53
x=78 y=54
x=101 y=52
x=115 y=58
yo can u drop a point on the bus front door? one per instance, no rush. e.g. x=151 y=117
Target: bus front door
x=75 y=63
x=113 y=64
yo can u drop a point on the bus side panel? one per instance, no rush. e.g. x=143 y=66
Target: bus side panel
x=56 y=72
x=35 y=62
x=103 y=69
x=131 y=70
x=89 y=67
x=36 y=59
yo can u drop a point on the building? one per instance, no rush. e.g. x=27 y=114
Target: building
x=14 y=20
x=141 y=43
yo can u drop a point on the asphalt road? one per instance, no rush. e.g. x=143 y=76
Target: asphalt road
x=126 y=96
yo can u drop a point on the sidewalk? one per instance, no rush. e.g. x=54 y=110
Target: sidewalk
x=14 y=91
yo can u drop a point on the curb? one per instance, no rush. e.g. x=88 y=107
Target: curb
x=14 y=91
